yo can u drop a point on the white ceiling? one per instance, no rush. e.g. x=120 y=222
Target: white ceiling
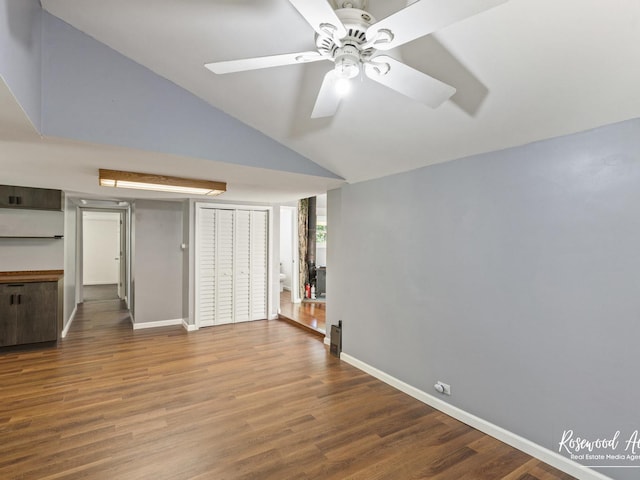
x=525 y=71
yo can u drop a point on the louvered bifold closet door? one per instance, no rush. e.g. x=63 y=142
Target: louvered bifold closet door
x=224 y=267
x=206 y=265
x=259 y=252
x=242 y=254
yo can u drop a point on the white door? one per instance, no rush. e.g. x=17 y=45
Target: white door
x=224 y=267
x=242 y=274
x=101 y=248
x=259 y=246
x=206 y=265
x=232 y=265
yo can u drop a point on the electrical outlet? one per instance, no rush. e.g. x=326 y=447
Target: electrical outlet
x=443 y=388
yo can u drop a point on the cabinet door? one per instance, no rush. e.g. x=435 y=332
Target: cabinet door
x=7 y=315
x=38 y=198
x=7 y=196
x=37 y=313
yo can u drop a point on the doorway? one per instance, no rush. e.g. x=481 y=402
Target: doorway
x=310 y=313
x=289 y=261
x=103 y=265
x=101 y=255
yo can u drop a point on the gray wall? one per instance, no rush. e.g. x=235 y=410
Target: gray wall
x=20 y=53
x=72 y=86
x=188 y=259
x=513 y=276
x=70 y=260
x=335 y=296
x=157 y=269
x=92 y=93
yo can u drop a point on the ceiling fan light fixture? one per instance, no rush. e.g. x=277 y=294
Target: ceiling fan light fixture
x=347 y=70
x=347 y=62
x=343 y=86
x=160 y=183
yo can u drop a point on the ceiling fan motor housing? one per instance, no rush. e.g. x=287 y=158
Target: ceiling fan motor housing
x=356 y=22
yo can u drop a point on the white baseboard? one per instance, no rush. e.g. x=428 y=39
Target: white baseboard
x=541 y=453
x=160 y=323
x=188 y=327
x=272 y=317
x=327 y=341
x=65 y=330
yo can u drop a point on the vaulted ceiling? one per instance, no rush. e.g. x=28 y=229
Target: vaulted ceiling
x=524 y=71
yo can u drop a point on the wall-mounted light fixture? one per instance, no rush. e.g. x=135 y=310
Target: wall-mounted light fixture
x=160 y=183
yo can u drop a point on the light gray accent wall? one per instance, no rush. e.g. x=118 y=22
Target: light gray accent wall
x=70 y=256
x=187 y=260
x=20 y=53
x=512 y=276
x=335 y=288
x=93 y=93
x=158 y=261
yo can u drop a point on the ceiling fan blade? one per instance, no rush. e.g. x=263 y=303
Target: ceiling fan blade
x=245 y=64
x=321 y=16
x=408 y=81
x=422 y=18
x=328 y=97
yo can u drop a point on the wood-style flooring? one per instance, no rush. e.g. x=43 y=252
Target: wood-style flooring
x=260 y=400
x=100 y=292
x=309 y=316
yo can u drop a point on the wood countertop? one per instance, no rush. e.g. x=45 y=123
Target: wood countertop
x=31 y=276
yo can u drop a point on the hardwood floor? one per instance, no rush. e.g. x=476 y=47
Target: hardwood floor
x=309 y=316
x=100 y=292
x=258 y=400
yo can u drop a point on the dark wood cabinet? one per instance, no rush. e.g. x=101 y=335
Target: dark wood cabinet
x=31 y=198
x=28 y=313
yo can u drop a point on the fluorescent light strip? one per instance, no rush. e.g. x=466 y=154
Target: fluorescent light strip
x=160 y=183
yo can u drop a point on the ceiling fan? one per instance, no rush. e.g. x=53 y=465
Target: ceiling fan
x=351 y=37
